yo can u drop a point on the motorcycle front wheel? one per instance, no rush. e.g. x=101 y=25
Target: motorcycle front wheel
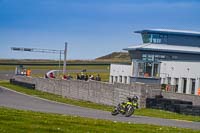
x=129 y=111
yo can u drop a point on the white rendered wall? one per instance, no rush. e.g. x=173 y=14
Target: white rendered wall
x=181 y=70
x=118 y=71
x=172 y=72
x=177 y=69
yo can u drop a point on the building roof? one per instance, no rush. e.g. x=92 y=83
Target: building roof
x=165 y=48
x=170 y=31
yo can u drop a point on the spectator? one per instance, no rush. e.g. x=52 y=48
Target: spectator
x=69 y=76
x=64 y=77
x=82 y=76
x=78 y=77
x=86 y=77
x=51 y=75
x=91 y=77
x=98 y=78
x=28 y=72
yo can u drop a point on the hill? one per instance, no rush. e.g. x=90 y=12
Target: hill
x=116 y=56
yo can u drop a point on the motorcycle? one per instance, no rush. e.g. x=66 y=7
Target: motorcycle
x=126 y=108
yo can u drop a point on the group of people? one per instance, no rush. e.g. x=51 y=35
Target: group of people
x=83 y=76
x=87 y=77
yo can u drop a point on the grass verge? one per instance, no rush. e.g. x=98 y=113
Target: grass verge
x=141 y=112
x=104 y=74
x=50 y=67
x=12 y=120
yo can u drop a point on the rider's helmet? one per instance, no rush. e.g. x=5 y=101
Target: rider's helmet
x=135 y=98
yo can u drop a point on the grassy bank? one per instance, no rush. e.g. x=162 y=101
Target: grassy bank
x=15 y=121
x=53 y=67
x=54 y=97
x=142 y=112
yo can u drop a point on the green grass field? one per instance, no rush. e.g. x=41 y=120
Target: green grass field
x=17 y=121
x=142 y=112
x=104 y=75
x=52 y=67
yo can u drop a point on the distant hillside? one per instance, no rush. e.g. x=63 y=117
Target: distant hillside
x=116 y=56
x=48 y=62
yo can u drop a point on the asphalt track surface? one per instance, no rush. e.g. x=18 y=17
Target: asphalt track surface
x=12 y=99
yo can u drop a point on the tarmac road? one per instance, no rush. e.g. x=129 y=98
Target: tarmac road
x=12 y=99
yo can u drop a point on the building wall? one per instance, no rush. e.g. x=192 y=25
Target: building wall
x=97 y=92
x=185 y=97
x=169 y=55
x=172 y=39
x=182 y=74
x=184 y=40
x=120 y=73
x=183 y=77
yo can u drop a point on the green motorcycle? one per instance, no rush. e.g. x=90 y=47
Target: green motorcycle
x=126 y=108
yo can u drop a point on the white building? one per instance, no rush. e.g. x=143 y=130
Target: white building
x=120 y=73
x=169 y=57
x=185 y=76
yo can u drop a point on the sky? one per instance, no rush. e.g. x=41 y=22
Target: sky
x=92 y=28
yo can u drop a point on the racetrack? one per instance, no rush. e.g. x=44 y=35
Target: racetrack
x=12 y=99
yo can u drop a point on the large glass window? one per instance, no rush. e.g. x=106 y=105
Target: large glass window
x=152 y=57
x=155 y=70
x=148 y=69
x=165 y=39
x=147 y=57
x=155 y=38
x=146 y=38
x=141 y=69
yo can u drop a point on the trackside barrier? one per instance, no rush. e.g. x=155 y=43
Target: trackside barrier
x=24 y=84
x=173 y=105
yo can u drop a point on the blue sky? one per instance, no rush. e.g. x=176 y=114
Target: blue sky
x=92 y=28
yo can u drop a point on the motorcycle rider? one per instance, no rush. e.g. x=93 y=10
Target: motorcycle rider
x=134 y=99
x=126 y=108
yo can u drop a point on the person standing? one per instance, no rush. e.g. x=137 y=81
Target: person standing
x=98 y=78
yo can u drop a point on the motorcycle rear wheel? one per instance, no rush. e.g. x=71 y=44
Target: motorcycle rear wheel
x=115 y=112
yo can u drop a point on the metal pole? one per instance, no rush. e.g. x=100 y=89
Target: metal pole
x=60 y=60
x=65 y=57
